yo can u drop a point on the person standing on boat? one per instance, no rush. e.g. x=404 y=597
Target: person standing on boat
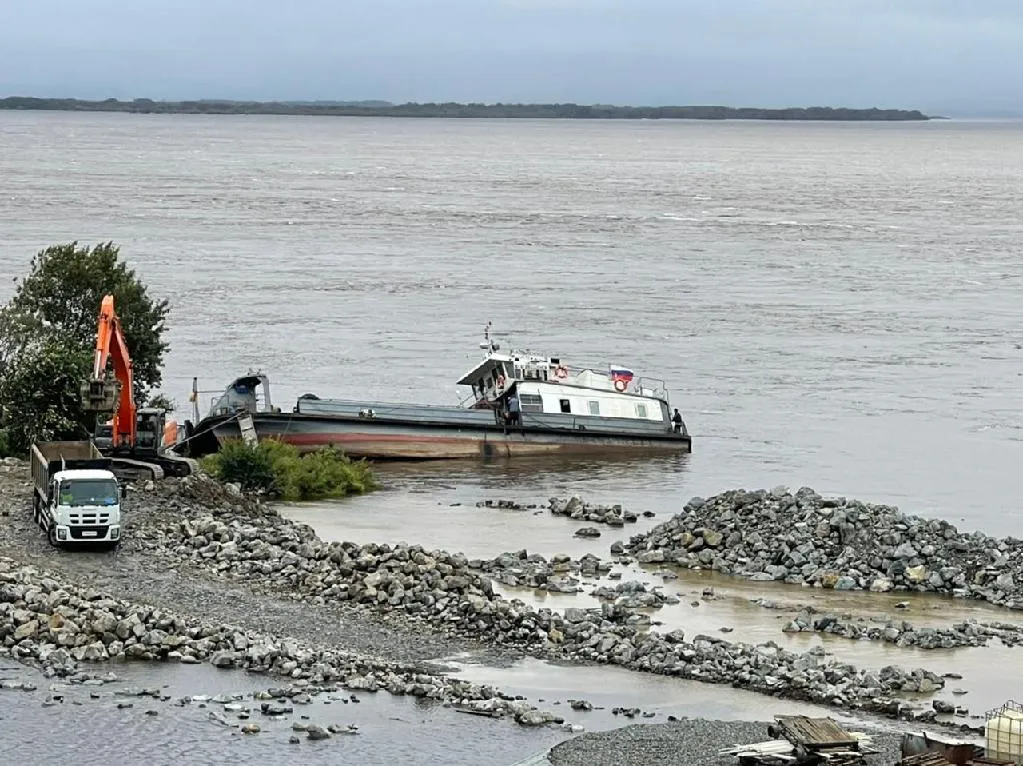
x=514 y=410
x=676 y=421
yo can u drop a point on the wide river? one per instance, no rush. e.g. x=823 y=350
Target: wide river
x=832 y=305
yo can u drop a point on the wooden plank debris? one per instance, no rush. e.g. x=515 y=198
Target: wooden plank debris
x=803 y=741
x=925 y=759
x=814 y=733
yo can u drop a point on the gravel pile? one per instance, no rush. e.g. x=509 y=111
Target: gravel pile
x=837 y=543
x=688 y=742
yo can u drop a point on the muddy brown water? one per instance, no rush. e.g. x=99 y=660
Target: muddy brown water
x=832 y=305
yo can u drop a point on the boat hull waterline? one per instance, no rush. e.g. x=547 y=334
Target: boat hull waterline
x=376 y=440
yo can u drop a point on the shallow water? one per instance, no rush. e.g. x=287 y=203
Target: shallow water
x=392 y=729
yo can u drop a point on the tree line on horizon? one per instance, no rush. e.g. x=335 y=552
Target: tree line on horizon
x=454 y=109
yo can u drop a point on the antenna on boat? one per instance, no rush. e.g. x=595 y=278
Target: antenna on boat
x=488 y=344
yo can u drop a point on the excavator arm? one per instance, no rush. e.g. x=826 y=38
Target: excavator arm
x=106 y=393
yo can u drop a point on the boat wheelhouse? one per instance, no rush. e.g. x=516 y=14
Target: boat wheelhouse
x=545 y=385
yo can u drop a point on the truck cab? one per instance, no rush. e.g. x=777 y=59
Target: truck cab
x=77 y=499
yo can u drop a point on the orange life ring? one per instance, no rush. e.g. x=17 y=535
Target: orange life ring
x=500 y=381
x=560 y=372
x=620 y=385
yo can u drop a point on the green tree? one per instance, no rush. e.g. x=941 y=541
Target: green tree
x=48 y=334
x=162 y=402
x=39 y=392
x=64 y=289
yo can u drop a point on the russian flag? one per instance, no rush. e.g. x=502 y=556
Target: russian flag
x=620 y=373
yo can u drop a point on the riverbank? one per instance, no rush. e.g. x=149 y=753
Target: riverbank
x=192 y=547
x=457 y=110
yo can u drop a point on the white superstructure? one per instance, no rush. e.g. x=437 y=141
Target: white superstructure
x=546 y=384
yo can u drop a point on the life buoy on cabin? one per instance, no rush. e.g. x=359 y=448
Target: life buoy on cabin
x=620 y=385
x=500 y=381
x=560 y=372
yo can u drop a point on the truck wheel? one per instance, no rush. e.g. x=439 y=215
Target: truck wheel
x=52 y=536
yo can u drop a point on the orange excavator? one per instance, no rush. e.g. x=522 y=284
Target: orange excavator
x=139 y=439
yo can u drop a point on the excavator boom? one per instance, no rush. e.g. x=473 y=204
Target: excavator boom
x=106 y=393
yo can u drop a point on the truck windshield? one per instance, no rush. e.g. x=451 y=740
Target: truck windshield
x=88 y=492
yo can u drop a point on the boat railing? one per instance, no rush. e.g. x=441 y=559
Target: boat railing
x=216 y=395
x=656 y=386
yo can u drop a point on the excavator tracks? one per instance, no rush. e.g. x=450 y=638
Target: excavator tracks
x=129 y=469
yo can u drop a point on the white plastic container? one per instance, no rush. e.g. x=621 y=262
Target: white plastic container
x=1004 y=733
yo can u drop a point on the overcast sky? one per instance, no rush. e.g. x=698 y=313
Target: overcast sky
x=949 y=56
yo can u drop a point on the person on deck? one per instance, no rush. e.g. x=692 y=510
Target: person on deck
x=676 y=421
x=514 y=416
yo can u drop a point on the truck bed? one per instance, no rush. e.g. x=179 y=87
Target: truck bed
x=49 y=457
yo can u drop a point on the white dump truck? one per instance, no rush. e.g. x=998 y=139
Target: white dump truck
x=76 y=497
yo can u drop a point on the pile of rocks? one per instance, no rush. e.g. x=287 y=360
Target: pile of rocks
x=574 y=508
x=902 y=633
x=59 y=627
x=561 y=574
x=634 y=595
x=835 y=543
x=507 y=505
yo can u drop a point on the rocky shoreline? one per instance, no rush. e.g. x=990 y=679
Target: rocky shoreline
x=806 y=539
x=200 y=529
x=64 y=629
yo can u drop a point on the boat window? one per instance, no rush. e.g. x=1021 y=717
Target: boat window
x=641 y=410
x=566 y=405
x=531 y=402
x=594 y=408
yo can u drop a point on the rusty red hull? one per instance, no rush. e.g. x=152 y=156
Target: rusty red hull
x=376 y=440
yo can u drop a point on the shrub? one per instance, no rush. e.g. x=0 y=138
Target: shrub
x=277 y=469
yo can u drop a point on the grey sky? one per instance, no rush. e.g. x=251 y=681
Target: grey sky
x=950 y=56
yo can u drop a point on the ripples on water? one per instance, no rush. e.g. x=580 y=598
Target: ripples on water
x=832 y=305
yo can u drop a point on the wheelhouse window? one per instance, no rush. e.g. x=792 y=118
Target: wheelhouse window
x=594 y=407
x=531 y=402
x=566 y=405
x=641 y=410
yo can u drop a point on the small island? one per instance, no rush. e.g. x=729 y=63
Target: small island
x=457 y=110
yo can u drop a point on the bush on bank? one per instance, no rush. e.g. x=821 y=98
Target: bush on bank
x=280 y=471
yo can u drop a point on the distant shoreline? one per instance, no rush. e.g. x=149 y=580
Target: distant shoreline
x=457 y=110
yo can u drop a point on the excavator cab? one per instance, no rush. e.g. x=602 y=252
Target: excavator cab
x=149 y=432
